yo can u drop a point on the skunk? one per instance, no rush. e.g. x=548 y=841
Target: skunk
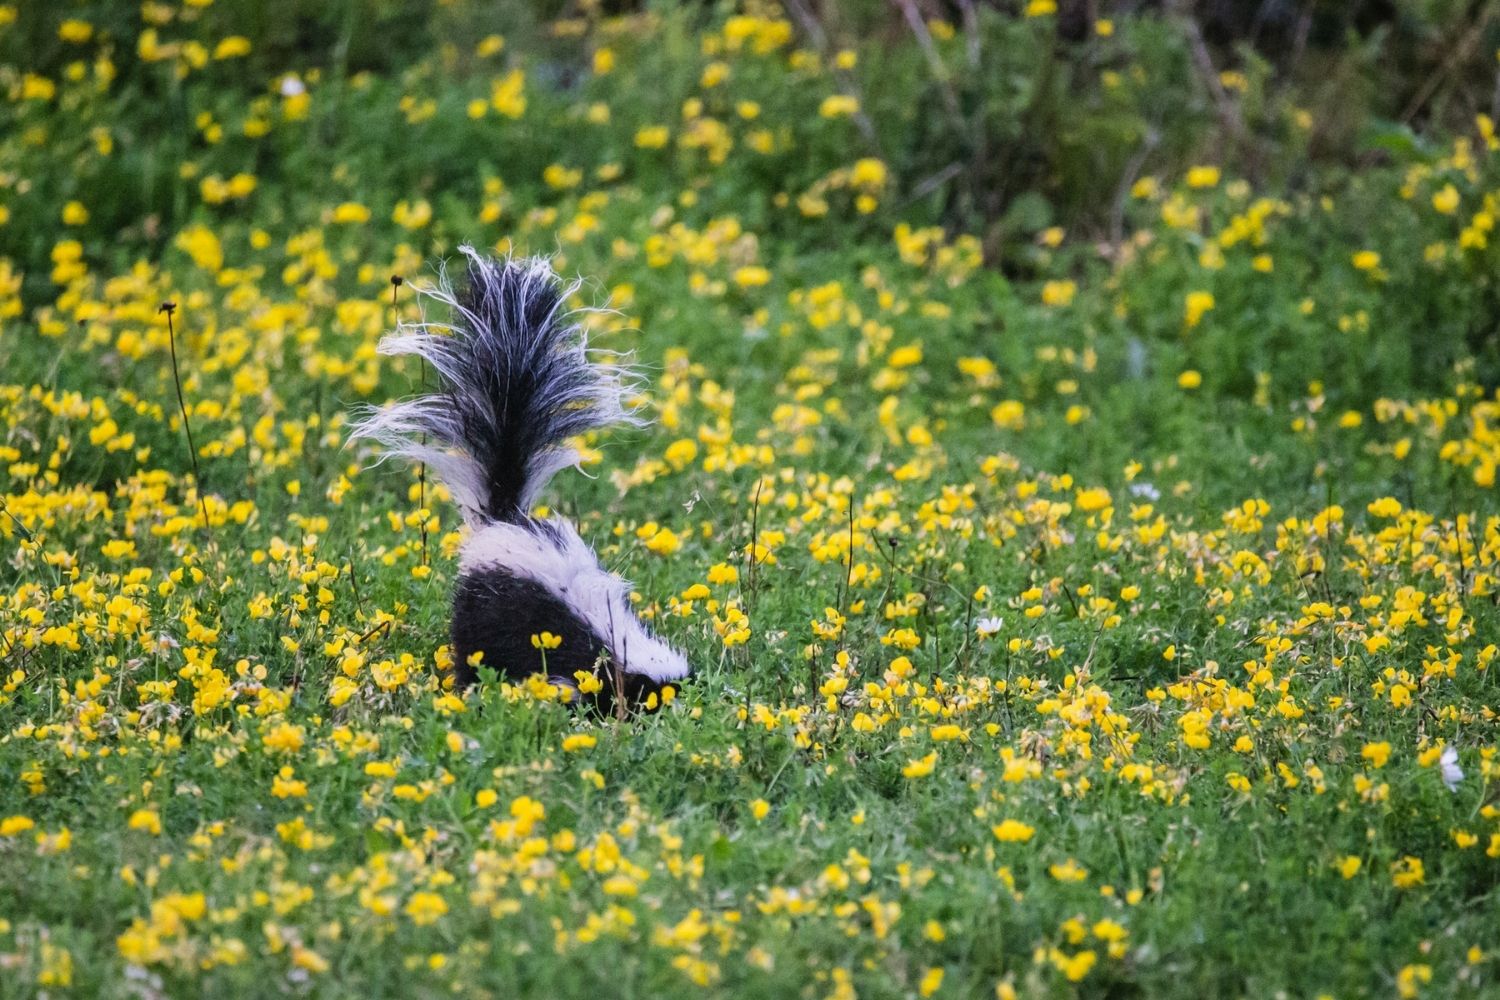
x=518 y=379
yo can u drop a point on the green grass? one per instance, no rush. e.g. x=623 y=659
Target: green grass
x=1240 y=617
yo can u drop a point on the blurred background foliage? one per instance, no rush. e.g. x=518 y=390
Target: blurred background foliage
x=1005 y=121
x=991 y=121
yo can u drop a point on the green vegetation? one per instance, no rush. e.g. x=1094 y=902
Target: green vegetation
x=1072 y=473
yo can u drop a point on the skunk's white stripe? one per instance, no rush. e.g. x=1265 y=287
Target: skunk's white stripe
x=571 y=570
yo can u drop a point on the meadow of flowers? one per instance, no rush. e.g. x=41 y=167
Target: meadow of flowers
x=1119 y=621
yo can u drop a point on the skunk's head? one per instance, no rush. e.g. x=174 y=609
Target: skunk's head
x=644 y=654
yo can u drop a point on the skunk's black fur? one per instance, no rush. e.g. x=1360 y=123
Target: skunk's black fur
x=517 y=382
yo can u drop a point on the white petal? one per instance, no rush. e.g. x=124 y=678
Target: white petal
x=989 y=626
x=1448 y=764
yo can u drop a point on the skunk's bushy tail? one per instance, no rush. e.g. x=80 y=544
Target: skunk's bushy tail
x=518 y=379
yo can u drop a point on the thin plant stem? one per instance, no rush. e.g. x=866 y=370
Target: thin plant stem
x=169 y=308
x=396 y=282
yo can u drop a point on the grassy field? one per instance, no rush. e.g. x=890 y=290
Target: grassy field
x=1099 y=611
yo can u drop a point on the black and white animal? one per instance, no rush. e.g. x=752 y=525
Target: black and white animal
x=518 y=379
